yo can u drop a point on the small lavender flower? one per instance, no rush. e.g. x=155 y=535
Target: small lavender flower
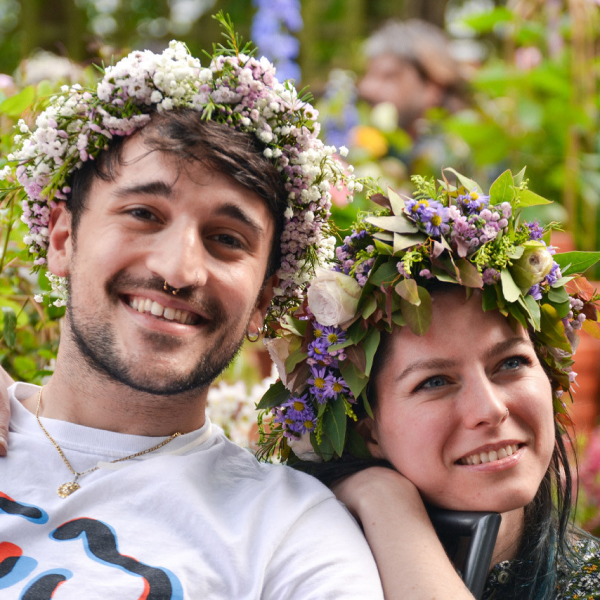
x=490 y=276
x=318 y=348
x=334 y=386
x=318 y=383
x=536 y=231
x=535 y=291
x=472 y=203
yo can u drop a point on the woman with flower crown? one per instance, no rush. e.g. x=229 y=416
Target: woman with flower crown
x=430 y=366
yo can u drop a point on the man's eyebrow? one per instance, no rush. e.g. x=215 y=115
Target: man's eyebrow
x=233 y=211
x=152 y=188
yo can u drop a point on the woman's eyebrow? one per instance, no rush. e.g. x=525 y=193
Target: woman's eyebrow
x=506 y=345
x=427 y=365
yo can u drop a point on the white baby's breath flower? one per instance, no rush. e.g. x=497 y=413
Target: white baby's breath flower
x=343 y=151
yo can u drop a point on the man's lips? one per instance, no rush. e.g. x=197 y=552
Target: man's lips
x=164 y=308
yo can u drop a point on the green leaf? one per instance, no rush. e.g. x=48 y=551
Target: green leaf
x=418 y=318
x=576 y=262
x=294 y=358
x=489 y=298
x=402 y=242
x=516 y=311
x=510 y=289
x=356 y=354
x=518 y=178
x=382 y=247
x=558 y=295
x=384 y=236
x=502 y=190
x=325 y=447
x=468 y=273
x=334 y=425
x=366 y=404
x=407 y=289
x=385 y=274
x=10 y=324
x=354 y=378
x=369 y=307
x=529 y=198
x=467 y=183
x=397 y=224
x=16 y=105
x=398 y=319
x=355 y=444
x=396 y=201
x=552 y=329
x=356 y=332
x=276 y=395
x=370 y=346
x=296 y=326
x=533 y=308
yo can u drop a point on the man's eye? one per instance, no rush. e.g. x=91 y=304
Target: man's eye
x=143 y=214
x=228 y=240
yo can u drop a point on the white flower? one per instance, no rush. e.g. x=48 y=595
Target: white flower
x=279 y=350
x=303 y=448
x=38 y=298
x=333 y=297
x=289 y=212
x=343 y=151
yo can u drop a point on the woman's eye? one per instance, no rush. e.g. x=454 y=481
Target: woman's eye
x=514 y=362
x=432 y=383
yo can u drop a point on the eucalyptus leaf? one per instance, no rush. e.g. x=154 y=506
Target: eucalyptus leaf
x=397 y=223
x=355 y=380
x=502 y=190
x=370 y=346
x=276 y=395
x=296 y=326
x=398 y=319
x=334 y=425
x=366 y=404
x=418 y=318
x=402 y=242
x=385 y=274
x=396 y=201
x=467 y=183
x=529 y=198
x=576 y=262
x=510 y=289
x=382 y=247
x=468 y=273
x=407 y=289
x=384 y=236
x=534 y=310
x=558 y=295
x=369 y=307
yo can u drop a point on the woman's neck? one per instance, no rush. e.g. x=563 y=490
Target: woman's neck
x=509 y=536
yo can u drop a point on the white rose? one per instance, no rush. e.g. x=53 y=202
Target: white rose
x=279 y=350
x=303 y=449
x=333 y=297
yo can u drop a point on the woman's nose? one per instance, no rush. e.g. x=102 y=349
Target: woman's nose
x=178 y=256
x=483 y=404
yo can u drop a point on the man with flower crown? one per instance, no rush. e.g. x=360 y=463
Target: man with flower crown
x=165 y=203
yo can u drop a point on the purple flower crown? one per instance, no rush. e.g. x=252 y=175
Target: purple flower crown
x=454 y=234
x=235 y=89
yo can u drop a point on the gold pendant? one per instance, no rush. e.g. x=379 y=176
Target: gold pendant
x=66 y=489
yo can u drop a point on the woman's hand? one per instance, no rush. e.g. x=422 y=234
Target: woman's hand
x=5 y=382
x=411 y=560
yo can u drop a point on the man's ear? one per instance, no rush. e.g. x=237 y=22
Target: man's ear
x=60 y=246
x=258 y=317
x=368 y=431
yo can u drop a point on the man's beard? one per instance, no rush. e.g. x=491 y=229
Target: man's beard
x=97 y=344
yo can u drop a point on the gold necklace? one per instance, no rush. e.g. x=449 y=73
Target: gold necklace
x=66 y=489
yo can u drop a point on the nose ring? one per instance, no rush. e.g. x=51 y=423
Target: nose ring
x=169 y=288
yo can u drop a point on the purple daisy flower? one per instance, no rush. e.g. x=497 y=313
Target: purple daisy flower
x=318 y=383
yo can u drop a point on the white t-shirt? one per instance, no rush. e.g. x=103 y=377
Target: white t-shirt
x=198 y=518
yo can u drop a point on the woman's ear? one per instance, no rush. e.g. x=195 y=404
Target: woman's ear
x=368 y=431
x=60 y=245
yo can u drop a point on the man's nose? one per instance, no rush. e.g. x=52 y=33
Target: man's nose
x=179 y=256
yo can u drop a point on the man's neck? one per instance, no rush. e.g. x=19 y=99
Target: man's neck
x=87 y=397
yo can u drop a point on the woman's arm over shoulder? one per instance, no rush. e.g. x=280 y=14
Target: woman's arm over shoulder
x=411 y=560
x=5 y=382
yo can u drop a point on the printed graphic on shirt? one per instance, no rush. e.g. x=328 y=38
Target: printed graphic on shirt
x=98 y=540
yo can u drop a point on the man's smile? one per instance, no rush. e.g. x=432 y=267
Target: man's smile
x=154 y=308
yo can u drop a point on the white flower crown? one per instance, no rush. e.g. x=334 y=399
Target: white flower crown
x=236 y=89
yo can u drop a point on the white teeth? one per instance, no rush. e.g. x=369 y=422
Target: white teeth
x=145 y=305
x=491 y=456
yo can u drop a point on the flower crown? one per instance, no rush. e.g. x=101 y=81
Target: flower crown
x=454 y=234
x=235 y=89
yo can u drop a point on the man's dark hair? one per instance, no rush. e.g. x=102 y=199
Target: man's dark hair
x=185 y=135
